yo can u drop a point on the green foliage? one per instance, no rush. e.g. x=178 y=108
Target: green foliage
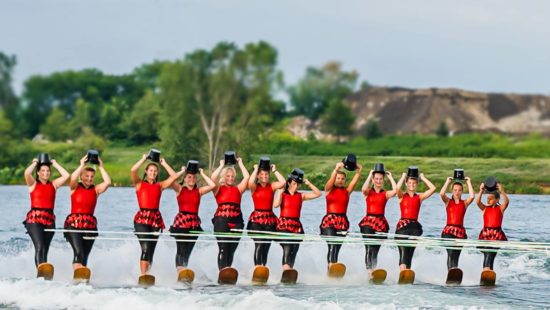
x=8 y=99
x=88 y=140
x=55 y=128
x=372 y=130
x=442 y=130
x=338 y=119
x=142 y=124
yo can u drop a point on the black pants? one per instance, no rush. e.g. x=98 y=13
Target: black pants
x=489 y=259
x=452 y=254
x=333 y=246
x=371 y=254
x=261 y=245
x=41 y=240
x=406 y=252
x=184 y=247
x=289 y=252
x=226 y=246
x=81 y=247
x=147 y=246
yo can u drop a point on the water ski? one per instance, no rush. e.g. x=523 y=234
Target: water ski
x=378 y=276
x=488 y=278
x=289 y=276
x=406 y=276
x=82 y=275
x=454 y=276
x=44 y=270
x=337 y=270
x=146 y=280
x=186 y=275
x=260 y=275
x=228 y=275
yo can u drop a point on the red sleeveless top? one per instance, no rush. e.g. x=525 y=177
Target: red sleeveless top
x=263 y=198
x=228 y=195
x=492 y=217
x=83 y=200
x=291 y=205
x=455 y=212
x=43 y=196
x=376 y=202
x=148 y=195
x=337 y=200
x=410 y=206
x=189 y=200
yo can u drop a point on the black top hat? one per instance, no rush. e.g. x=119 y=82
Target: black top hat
x=230 y=158
x=297 y=175
x=192 y=167
x=265 y=163
x=350 y=162
x=93 y=157
x=491 y=184
x=412 y=172
x=154 y=155
x=458 y=174
x=379 y=167
x=44 y=159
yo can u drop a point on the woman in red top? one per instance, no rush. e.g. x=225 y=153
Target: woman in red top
x=263 y=218
x=375 y=221
x=41 y=215
x=493 y=214
x=409 y=203
x=188 y=195
x=336 y=220
x=290 y=202
x=83 y=202
x=228 y=215
x=456 y=209
x=148 y=219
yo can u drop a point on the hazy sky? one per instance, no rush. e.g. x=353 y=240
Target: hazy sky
x=496 y=45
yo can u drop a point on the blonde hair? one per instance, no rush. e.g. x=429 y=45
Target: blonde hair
x=224 y=172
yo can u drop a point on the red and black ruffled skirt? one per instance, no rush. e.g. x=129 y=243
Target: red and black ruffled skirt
x=40 y=216
x=335 y=220
x=151 y=218
x=377 y=222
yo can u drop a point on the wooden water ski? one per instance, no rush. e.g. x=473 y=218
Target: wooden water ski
x=378 y=276
x=146 y=280
x=454 y=276
x=45 y=270
x=337 y=270
x=186 y=275
x=289 y=276
x=488 y=278
x=260 y=275
x=228 y=275
x=406 y=276
x=82 y=275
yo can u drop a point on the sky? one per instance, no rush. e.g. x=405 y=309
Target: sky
x=490 y=46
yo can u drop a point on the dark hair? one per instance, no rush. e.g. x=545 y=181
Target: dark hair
x=458 y=183
x=408 y=178
x=89 y=169
x=287 y=184
x=496 y=194
x=379 y=172
x=40 y=166
x=147 y=167
x=259 y=170
x=341 y=172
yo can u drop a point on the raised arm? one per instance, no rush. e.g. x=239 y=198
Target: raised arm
x=366 y=186
x=480 y=204
x=280 y=179
x=103 y=186
x=171 y=179
x=278 y=199
x=330 y=183
x=505 y=199
x=471 y=193
x=400 y=184
x=315 y=192
x=246 y=176
x=355 y=179
x=73 y=183
x=430 y=190
x=134 y=171
x=443 y=191
x=390 y=194
x=210 y=185
x=57 y=183
x=175 y=186
x=28 y=173
x=216 y=174
x=252 y=180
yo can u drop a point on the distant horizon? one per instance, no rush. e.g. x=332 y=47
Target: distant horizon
x=490 y=46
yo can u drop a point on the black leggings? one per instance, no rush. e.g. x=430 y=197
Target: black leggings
x=489 y=259
x=81 y=247
x=371 y=254
x=289 y=252
x=147 y=246
x=261 y=245
x=333 y=246
x=41 y=240
x=226 y=246
x=406 y=252
x=452 y=254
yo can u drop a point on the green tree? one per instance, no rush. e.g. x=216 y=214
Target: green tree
x=142 y=124
x=372 y=130
x=338 y=119
x=312 y=94
x=55 y=128
x=8 y=99
x=442 y=130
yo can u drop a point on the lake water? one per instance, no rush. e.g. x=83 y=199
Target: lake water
x=523 y=280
